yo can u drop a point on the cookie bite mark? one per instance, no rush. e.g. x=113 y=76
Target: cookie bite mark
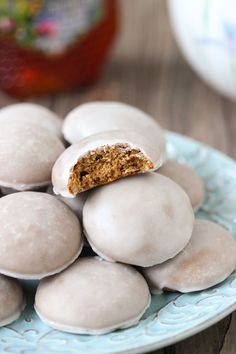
x=103 y=158
x=107 y=164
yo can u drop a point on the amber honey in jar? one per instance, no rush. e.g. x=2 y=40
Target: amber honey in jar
x=51 y=45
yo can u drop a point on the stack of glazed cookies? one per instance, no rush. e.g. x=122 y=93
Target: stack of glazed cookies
x=111 y=190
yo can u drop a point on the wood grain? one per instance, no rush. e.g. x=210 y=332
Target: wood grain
x=147 y=70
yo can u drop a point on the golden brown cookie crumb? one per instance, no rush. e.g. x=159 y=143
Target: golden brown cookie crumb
x=107 y=164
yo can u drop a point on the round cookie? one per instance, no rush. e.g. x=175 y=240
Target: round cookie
x=27 y=154
x=76 y=204
x=96 y=117
x=11 y=300
x=138 y=220
x=187 y=179
x=92 y=297
x=208 y=259
x=31 y=112
x=39 y=235
x=103 y=158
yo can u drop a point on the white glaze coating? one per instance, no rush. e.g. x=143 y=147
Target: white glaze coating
x=39 y=235
x=29 y=276
x=96 y=117
x=138 y=220
x=31 y=112
x=68 y=159
x=76 y=204
x=208 y=259
x=13 y=317
x=108 y=296
x=27 y=154
x=187 y=179
x=12 y=300
x=80 y=330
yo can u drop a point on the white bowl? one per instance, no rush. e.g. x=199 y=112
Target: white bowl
x=206 y=33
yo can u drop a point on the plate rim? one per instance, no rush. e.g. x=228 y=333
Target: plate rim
x=179 y=337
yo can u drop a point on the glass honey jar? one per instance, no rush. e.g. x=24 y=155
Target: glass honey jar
x=51 y=45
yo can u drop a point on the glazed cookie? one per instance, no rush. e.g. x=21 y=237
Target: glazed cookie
x=101 y=159
x=187 y=179
x=92 y=297
x=96 y=117
x=76 y=204
x=208 y=259
x=138 y=220
x=11 y=300
x=31 y=112
x=39 y=235
x=27 y=154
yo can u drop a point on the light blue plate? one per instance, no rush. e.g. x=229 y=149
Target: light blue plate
x=171 y=317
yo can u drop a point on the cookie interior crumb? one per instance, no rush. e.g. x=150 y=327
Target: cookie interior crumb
x=106 y=164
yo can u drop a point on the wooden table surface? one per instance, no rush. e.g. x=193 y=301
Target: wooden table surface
x=147 y=70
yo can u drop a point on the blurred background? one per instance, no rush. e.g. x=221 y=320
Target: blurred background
x=144 y=67
x=62 y=53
